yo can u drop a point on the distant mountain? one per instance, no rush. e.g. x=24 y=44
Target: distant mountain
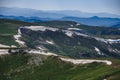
x=31 y=15
x=117 y=25
x=95 y=21
x=73 y=42
x=28 y=13
x=50 y=14
x=26 y=19
x=65 y=38
x=76 y=13
x=92 y=21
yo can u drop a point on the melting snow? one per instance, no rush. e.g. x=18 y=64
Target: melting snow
x=4 y=51
x=1 y=45
x=85 y=61
x=71 y=25
x=113 y=40
x=102 y=40
x=42 y=52
x=98 y=51
x=68 y=33
x=17 y=39
x=49 y=42
x=74 y=29
x=80 y=34
x=77 y=24
x=108 y=40
x=41 y=28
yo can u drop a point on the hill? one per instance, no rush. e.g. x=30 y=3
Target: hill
x=95 y=21
x=61 y=37
x=14 y=11
x=8 y=28
x=34 y=67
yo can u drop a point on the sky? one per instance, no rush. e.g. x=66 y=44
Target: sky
x=91 y=6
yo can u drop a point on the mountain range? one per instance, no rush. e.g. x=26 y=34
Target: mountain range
x=90 y=19
x=67 y=39
x=50 y=13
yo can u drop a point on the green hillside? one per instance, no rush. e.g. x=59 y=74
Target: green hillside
x=38 y=67
x=104 y=32
x=8 y=28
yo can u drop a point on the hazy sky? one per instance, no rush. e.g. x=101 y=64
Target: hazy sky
x=95 y=6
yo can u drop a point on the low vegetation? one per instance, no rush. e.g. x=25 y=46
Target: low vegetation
x=39 y=67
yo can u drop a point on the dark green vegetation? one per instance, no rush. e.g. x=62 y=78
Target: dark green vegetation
x=7 y=40
x=75 y=46
x=38 y=67
x=105 y=32
x=8 y=28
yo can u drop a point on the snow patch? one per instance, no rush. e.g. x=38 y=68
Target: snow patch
x=69 y=33
x=41 y=52
x=102 y=40
x=80 y=34
x=85 y=61
x=41 y=28
x=113 y=40
x=4 y=51
x=74 y=29
x=71 y=25
x=98 y=51
x=49 y=42
x=77 y=24
x=1 y=45
x=17 y=39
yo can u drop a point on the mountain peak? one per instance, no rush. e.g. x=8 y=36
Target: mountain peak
x=95 y=17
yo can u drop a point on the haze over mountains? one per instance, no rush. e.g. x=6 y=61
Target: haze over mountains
x=51 y=14
x=31 y=15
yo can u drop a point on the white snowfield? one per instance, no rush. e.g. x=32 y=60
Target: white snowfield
x=74 y=61
x=40 y=28
x=4 y=51
x=81 y=34
x=49 y=42
x=98 y=51
x=1 y=45
x=17 y=38
x=74 y=29
x=77 y=24
x=111 y=41
x=41 y=52
x=68 y=33
x=85 y=61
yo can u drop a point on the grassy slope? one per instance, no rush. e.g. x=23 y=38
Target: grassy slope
x=104 y=32
x=8 y=28
x=15 y=67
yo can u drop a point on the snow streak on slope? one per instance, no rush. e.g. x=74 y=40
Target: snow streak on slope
x=98 y=51
x=17 y=38
x=4 y=51
x=40 y=28
x=85 y=61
